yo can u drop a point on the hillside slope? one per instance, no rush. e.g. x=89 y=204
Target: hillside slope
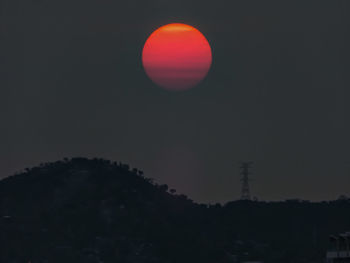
x=83 y=210
x=79 y=210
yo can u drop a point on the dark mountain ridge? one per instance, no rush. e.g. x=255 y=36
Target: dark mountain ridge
x=83 y=210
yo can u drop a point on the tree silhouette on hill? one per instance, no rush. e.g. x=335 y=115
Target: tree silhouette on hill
x=94 y=210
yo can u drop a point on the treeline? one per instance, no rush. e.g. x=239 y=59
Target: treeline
x=94 y=210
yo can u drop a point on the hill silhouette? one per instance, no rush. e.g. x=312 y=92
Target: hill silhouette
x=93 y=210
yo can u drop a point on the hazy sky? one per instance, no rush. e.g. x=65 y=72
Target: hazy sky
x=72 y=84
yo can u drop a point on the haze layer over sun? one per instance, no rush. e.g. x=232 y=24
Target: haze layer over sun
x=176 y=56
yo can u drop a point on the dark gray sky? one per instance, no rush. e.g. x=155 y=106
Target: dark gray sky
x=72 y=84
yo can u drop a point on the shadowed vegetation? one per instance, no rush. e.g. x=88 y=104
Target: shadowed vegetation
x=81 y=210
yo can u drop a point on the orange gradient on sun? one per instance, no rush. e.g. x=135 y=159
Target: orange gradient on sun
x=176 y=56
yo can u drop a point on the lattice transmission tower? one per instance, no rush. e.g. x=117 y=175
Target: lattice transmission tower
x=244 y=171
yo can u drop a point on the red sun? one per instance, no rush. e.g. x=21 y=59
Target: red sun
x=176 y=56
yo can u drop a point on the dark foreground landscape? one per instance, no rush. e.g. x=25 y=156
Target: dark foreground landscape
x=82 y=210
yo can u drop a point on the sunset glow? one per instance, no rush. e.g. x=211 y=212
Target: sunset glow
x=176 y=56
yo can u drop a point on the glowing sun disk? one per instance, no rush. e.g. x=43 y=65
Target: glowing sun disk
x=176 y=56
